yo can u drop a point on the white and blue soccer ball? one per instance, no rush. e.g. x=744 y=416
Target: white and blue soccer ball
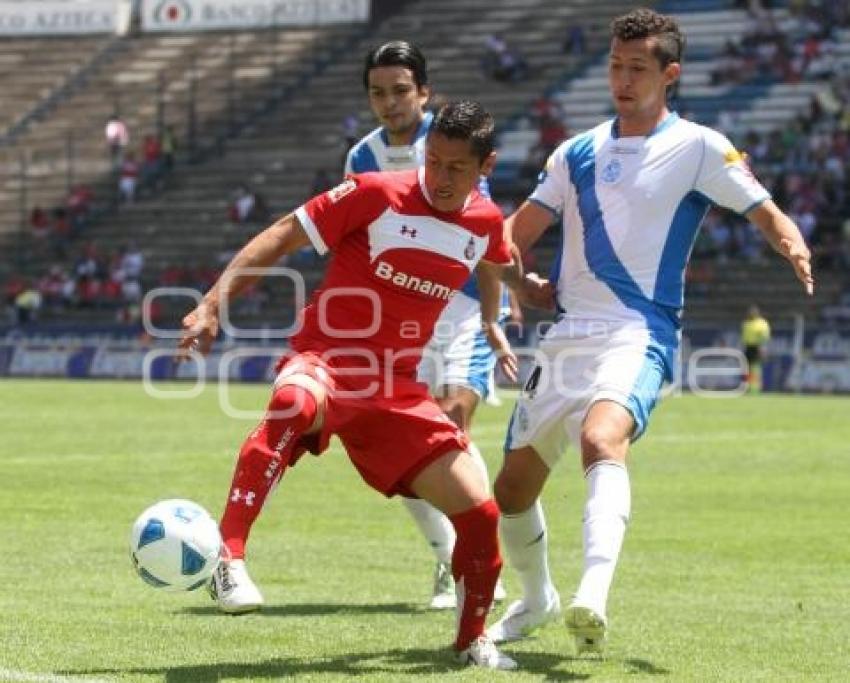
x=175 y=545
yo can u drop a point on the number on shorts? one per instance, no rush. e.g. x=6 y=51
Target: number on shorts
x=532 y=382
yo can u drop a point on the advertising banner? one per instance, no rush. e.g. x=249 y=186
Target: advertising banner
x=37 y=18
x=210 y=15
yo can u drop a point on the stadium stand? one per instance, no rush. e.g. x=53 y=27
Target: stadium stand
x=264 y=110
x=766 y=94
x=203 y=85
x=188 y=222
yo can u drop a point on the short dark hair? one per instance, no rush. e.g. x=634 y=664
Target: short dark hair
x=467 y=120
x=397 y=53
x=646 y=23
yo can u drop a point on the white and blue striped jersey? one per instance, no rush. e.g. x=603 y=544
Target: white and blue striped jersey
x=630 y=208
x=375 y=153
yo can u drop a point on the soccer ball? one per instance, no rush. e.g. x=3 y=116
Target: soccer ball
x=175 y=545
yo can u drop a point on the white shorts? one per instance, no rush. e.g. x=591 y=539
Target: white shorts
x=571 y=374
x=458 y=355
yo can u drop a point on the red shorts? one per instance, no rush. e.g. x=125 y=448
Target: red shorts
x=391 y=427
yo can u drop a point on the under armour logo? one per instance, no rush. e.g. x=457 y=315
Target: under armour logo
x=249 y=496
x=469 y=252
x=408 y=231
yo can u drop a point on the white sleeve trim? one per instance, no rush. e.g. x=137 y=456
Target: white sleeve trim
x=311 y=230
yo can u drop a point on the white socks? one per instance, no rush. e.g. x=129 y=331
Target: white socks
x=434 y=525
x=606 y=514
x=524 y=539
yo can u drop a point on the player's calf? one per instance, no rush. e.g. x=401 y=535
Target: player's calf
x=262 y=459
x=476 y=564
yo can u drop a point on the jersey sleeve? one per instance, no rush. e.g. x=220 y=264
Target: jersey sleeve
x=725 y=178
x=498 y=248
x=329 y=217
x=554 y=188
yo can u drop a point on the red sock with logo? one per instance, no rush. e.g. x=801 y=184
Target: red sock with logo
x=476 y=564
x=262 y=460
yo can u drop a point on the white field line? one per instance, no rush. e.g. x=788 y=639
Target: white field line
x=64 y=457
x=13 y=675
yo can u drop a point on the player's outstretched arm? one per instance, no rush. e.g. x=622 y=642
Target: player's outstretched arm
x=524 y=227
x=490 y=286
x=785 y=237
x=200 y=327
x=527 y=224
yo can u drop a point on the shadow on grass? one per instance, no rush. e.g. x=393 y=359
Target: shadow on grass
x=548 y=665
x=315 y=609
x=401 y=662
x=641 y=666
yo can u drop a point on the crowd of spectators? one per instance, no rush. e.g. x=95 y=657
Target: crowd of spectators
x=143 y=169
x=93 y=280
x=77 y=274
x=801 y=46
x=53 y=230
x=805 y=166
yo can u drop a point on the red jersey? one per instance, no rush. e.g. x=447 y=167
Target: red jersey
x=397 y=261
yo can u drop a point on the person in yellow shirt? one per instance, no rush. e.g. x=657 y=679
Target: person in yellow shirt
x=755 y=333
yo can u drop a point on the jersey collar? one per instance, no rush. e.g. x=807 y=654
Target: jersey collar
x=668 y=121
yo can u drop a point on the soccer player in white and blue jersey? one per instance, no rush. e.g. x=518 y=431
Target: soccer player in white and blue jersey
x=459 y=360
x=630 y=195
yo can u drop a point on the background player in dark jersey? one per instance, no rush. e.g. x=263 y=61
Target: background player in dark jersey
x=402 y=244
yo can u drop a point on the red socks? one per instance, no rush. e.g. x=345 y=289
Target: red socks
x=262 y=460
x=476 y=564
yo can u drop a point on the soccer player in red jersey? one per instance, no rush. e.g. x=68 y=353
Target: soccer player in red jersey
x=403 y=243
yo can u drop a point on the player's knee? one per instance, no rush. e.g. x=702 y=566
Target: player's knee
x=512 y=493
x=487 y=514
x=295 y=401
x=457 y=409
x=600 y=443
x=287 y=395
x=455 y=413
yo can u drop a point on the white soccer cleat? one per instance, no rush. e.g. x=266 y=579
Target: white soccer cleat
x=588 y=628
x=232 y=588
x=519 y=621
x=444 y=596
x=483 y=652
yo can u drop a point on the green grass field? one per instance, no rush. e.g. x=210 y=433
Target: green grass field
x=736 y=566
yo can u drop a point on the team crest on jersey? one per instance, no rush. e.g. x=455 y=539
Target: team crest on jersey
x=346 y=187
x=612 y=171
x=469 y=252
